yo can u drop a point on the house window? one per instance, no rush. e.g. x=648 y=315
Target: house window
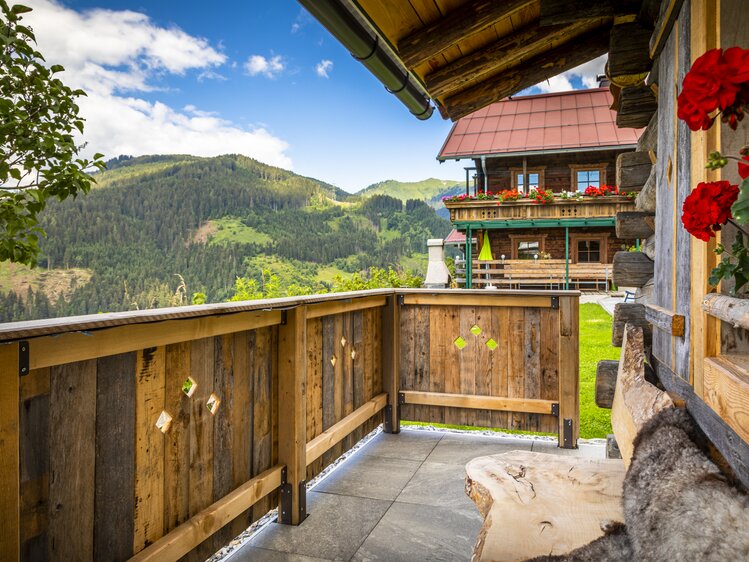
x=587 y=175
x=527 y=247
x=589 y=251
x=532 y=179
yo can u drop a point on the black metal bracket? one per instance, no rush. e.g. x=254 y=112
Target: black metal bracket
x=555 y=409
x=555 y=303
x=23 y=358
x=286 y=500
x=401 y=300
x=387 y=423
x=568 y=441
x=302 y=500
x=401 y=400
x=284 y=315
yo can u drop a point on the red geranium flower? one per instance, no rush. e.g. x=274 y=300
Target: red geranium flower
x=744 y=168
x=708 y=208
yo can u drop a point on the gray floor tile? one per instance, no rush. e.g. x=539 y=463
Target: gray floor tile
x=440 y=485
x=584 y=450
x=370 y=477
x=335 y=528
x=408 y=445
x=253 y=554
x=411 y=532
x=456 y=448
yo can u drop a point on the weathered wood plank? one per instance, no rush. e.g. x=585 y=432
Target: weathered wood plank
x=646 y=200
x=648 y=141
x=342 y=306
x=727 y=390
x=533 y=71
x=637 y=105
x=550 y=364
x=390 y=359
x=632 y=269
x=569 y=369
x=500 y=363
x=451 y=367
x=241 y=415
x=115 y=457
x=438 y=344
x=729 y=309
x=539 y=301
x=494 y=403
x=470 y=18
x=10 y=492
x=223 y=386
x=314 y=387
x=629 y=313
x=292 y=408
x=665 y=320
x=532 y=348
x=633 y=224
x=563 y=11
x=632 y=170
x=262 y=373
x=328 y=379
x=72 y=457
x=516 y=371
x=357 y=359
x=606 y=371
x=467 y=364
x=670 y=10
x=483 y=370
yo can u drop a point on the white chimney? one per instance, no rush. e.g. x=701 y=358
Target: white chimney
x=438 y=277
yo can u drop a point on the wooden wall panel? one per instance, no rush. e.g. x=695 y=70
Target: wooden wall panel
x=550 y=351
x=262 y=361
x=314 y=387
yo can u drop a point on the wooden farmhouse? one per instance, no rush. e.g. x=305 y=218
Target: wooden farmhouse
x=561 y=144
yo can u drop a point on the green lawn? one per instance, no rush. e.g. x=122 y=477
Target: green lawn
x=595 y=344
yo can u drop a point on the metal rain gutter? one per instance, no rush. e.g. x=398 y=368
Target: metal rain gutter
x=370 y=49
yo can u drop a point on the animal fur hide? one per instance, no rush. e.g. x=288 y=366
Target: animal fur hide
x=677 y=504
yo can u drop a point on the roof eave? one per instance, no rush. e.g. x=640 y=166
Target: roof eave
x=477 y=156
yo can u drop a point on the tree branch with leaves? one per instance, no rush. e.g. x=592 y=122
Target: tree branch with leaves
x=39 y=157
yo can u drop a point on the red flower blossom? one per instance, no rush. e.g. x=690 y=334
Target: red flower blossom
x=708 y=207
x=744 y=168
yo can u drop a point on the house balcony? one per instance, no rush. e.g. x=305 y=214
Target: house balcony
x=524 y=213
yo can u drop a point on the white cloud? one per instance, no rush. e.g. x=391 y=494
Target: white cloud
x=114 y=55
x=269 y=67
x=295 y=27
x=587 y=73
x=323 y=68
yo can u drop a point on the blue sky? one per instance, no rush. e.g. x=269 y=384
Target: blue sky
x=259 y=78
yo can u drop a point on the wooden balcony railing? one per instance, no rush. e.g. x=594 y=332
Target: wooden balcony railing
x=163 y=433
x=545 y=274
x=525 y=210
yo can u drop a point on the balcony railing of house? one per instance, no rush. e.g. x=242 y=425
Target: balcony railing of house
x=535 y=273
x=162 y=433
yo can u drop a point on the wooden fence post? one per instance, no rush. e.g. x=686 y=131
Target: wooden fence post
x=292 y=412
x=10 y=492
x=391 y=362
x=569 y=372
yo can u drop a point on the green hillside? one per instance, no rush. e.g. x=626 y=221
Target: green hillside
x=430 y=190
x=158 y=229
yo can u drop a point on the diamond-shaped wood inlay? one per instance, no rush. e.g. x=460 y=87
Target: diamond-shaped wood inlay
x=164 y=422
x=353 y=354
x=459 y=342
x=491 y=344
x=333 y=360
x=475 y=330
x=343 y=342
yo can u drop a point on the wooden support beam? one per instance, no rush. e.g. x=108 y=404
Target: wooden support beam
x=637 y=105
x=292 y=411
x=727 y=390
x=632 y=269
x=48 y=351
x=527 y=301
x=632 y=170
x=635 y=399
x=668 y=15
x=646 y=199
x=10 y=477
x=629 y=61
x=606 y=372
x=205 y=523
x=467 y=20
x=476 y=402
x=339 y=307
x=531 y=72
x=569 y=372
x=390 y=361
x=729 y=309
x=629 y=313
x=633 y=224
x=665 y=320
x=554 y=12
x=336 y=433
x=504 y=53
x=648 y=141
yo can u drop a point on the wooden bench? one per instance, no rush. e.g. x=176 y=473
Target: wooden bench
x=546 y=273
x=537 y=504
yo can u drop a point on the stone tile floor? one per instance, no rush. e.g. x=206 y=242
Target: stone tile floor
x=400 y=497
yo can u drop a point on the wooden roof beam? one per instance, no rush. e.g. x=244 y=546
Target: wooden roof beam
x=463 y=22
x=530 y=73
x=554 y=12
x=508 y=51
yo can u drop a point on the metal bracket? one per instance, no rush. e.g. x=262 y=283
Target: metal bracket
x=302 y=500
x=286 y=499
x=555 y=409
x=567 y=443
x=401 y=400
x=387 y=423
x=401 y=300
x=284 y=317
x=23 y=358
x=285 y=515
x=555 y=303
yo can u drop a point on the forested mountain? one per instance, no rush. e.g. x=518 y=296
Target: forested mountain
x=430 y=190
x=157 y=229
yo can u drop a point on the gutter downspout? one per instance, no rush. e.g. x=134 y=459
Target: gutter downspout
x=369 y=48
x=486 y=178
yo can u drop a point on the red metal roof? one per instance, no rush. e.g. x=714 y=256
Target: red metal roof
x=456 y=237
x=563 y=121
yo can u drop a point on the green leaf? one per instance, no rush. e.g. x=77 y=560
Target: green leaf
x=740 y=209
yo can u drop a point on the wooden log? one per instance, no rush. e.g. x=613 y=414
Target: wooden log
x=668 y=14
x=635 y=400
x=632 y=269
x=729 y=309
x=629 y=60
x=531 y=72
x=649 y=139
x=646 y=199
x=648 y=247
x=665 y=320
x=646 y=293
x=629 y=313
x=632 y=170
x=632 y=224
x=561 y=500
x=507 y=51
x=606 y=371
x=565 y=11
x=473 y=17
x=727 y=390
x=637 y=105
x=612 y=447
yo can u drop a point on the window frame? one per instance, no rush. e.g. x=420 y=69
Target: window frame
x=517 y=238
x=540 y=170
x=575 y=168
x=601 y=238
